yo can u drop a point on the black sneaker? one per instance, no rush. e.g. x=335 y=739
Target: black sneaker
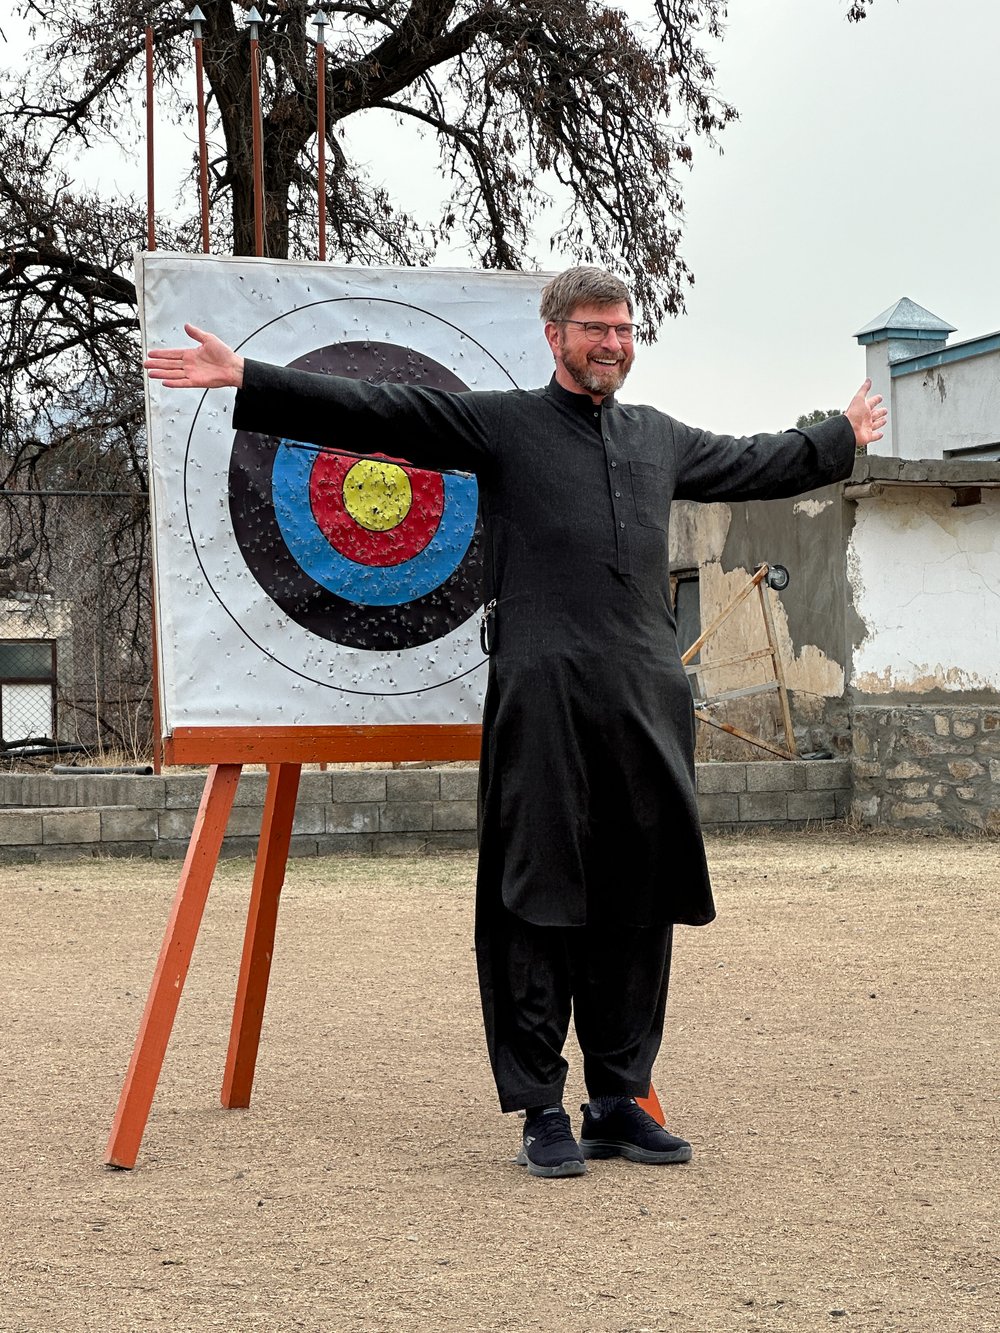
x=628 y=1131
x=549 y=1148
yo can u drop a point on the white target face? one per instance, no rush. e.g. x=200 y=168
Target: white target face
x=311 y=587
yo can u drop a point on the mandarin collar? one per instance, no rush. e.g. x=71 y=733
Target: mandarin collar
x=576 y=402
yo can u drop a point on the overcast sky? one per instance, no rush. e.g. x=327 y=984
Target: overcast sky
x=863 y=168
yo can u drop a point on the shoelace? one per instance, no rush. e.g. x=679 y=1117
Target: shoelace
x=635 y=1113
x=646 y=1123
x=549 y=1128
x=628 y=1107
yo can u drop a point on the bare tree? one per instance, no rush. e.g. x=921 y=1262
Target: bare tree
x=526 y=100
x=74 y=521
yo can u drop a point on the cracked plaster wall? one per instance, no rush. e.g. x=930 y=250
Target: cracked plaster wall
x=925 y=579
x=726 y=542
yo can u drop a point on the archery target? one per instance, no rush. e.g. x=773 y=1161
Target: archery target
x=306 y=587
x=370 y=555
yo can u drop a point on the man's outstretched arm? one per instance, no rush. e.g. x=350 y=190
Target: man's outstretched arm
x=210 y=364
x=767 y=467
x=431 y=428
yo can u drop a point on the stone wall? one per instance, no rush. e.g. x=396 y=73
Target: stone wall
x=395 y=812
x=927 y=767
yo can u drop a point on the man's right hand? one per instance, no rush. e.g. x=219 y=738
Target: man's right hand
x=867 y=416
x=209 y=365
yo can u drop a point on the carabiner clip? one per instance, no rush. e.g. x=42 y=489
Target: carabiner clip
x=486 y=627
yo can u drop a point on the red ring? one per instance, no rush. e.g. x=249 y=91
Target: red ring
x=383 y=549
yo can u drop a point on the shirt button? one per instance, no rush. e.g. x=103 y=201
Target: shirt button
x=614 y=464
x=618 y=495
x=621 y=525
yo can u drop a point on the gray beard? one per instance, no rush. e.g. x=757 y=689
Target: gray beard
x=593 y=382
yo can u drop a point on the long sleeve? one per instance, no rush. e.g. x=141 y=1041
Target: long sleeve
x=430 y=428
x=761 y=467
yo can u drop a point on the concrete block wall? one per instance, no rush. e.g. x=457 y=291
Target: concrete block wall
x=393 y=812
x=783 y=793
x=45 y=816
x=927 y=767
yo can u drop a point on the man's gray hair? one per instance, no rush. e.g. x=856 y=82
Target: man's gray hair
x=582 y=286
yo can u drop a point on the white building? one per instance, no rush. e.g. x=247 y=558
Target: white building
x=944 y=402
x=36 y=654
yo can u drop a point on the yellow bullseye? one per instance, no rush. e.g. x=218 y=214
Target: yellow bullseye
x=377 y=495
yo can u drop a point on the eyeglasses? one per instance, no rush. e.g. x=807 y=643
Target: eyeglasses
x=594 y=331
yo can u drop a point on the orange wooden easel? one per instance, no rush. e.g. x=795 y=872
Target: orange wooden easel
x=227 y=750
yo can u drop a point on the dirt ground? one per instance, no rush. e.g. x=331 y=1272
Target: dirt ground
x=831 y=1051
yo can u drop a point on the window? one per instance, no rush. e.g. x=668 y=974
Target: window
x=687 y=613
x=687 y=608
x=27 y=689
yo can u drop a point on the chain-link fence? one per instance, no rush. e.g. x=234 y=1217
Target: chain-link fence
x=75 y=627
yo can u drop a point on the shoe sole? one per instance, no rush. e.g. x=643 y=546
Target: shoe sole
x=551 y=1172
x=601 y=1148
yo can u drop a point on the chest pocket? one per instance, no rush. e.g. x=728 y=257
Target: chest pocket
x=652 y=492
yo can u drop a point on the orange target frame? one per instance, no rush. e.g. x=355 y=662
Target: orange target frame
x=226 y=749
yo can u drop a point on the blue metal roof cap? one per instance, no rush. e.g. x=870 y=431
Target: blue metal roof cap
x=905 y=319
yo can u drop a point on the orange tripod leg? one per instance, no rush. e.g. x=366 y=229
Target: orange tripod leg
x=651 y=1105
x=258 y=942
x=172 y=965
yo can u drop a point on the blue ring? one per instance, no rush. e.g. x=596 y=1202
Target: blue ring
x=369 y=585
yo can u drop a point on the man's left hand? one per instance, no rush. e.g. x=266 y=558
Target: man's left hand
x=866 y=415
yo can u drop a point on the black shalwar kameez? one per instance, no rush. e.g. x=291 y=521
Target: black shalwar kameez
x=588 y=810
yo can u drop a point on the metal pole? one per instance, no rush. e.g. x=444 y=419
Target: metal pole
x=155 y=697
x=196 y=18
x=254 y=20
x=320 y=22
x=150 y=223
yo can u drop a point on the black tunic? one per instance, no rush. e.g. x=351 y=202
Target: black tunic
x=587 y=777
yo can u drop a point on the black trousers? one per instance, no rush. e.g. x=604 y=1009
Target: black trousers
x=612 y=977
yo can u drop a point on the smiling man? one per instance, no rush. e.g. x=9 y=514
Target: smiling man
x=593 y=351
x=590 y=848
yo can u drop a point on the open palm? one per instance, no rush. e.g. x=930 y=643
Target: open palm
x=210 y=364
x=867 y=416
